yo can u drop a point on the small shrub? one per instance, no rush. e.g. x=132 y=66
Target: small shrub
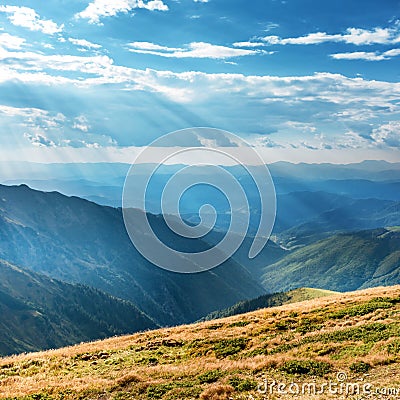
x=326 y=351
x=158 y=391
x=283 y=348
x=183 y=393
x=307 y=325
x=172 y=343
x=215 y=327
x=210 y=376
x=257 y=352
x=282 y=326
x=199 y=347
x=360 y=367
x=394 y=347
x=153 y=361
x=242 y=385
x=239 y=323
x=306 y=367
x=37 y=396
x=367 y=333
x=229 y=347
x=363 y=309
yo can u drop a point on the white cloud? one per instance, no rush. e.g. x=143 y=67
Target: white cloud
x=154 y=5
x=307 y=100
x=11 y=42
x=84 y=43
x=312 y=38
x=105 y=8
x=21 y=62
x=30 y=67
x=28 y=18
x=151 y=46
x=35 y=119
x=248 y=44
x=42 y=128
x=301 y=126
x=22 y=112
x=192 y=50
x=392 y=53
x=375 y=36
x=388 y=134
x=367 y=56
x=81 y=123
x=359 y=55
x=201 y=1
x=39 y=140
x=356 y=36
x=270 y=26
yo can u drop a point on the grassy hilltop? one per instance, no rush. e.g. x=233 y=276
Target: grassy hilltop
x=314 y=341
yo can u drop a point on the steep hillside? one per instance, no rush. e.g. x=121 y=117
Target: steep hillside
x=270 y=300
x=40 y=313
x=343 y=262
x=350 y=339
x=77 y=241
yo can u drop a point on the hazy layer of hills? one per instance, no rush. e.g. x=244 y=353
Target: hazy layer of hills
x=103 y=182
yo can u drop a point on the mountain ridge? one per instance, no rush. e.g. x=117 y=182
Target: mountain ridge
x=78 y=241
x=343 y=262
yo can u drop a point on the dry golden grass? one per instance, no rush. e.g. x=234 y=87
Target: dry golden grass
x=226 y=358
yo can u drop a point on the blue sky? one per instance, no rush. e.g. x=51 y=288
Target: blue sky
x=300 y=80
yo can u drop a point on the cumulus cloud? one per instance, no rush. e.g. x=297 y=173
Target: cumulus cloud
x=267 y=142
x=192 y=50
x=42 y=140
x=392 y=53
x=31 y=66
x=43 y=128
x=249 y=44
x=84 y=43
x=81 y=123
x=387 y=134
x=91 y=142
x=367 y=56
x=198 y=86
x=22 y=112
x=355 y=36
x=295 y=105
x=151 y=46
x=28 y=18
x=305 y=127
x=105 y=8
x=359 y=55
x=39 y=140
x=11 y=42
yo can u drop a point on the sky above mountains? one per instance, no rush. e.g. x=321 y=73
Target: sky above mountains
x=300 y=80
